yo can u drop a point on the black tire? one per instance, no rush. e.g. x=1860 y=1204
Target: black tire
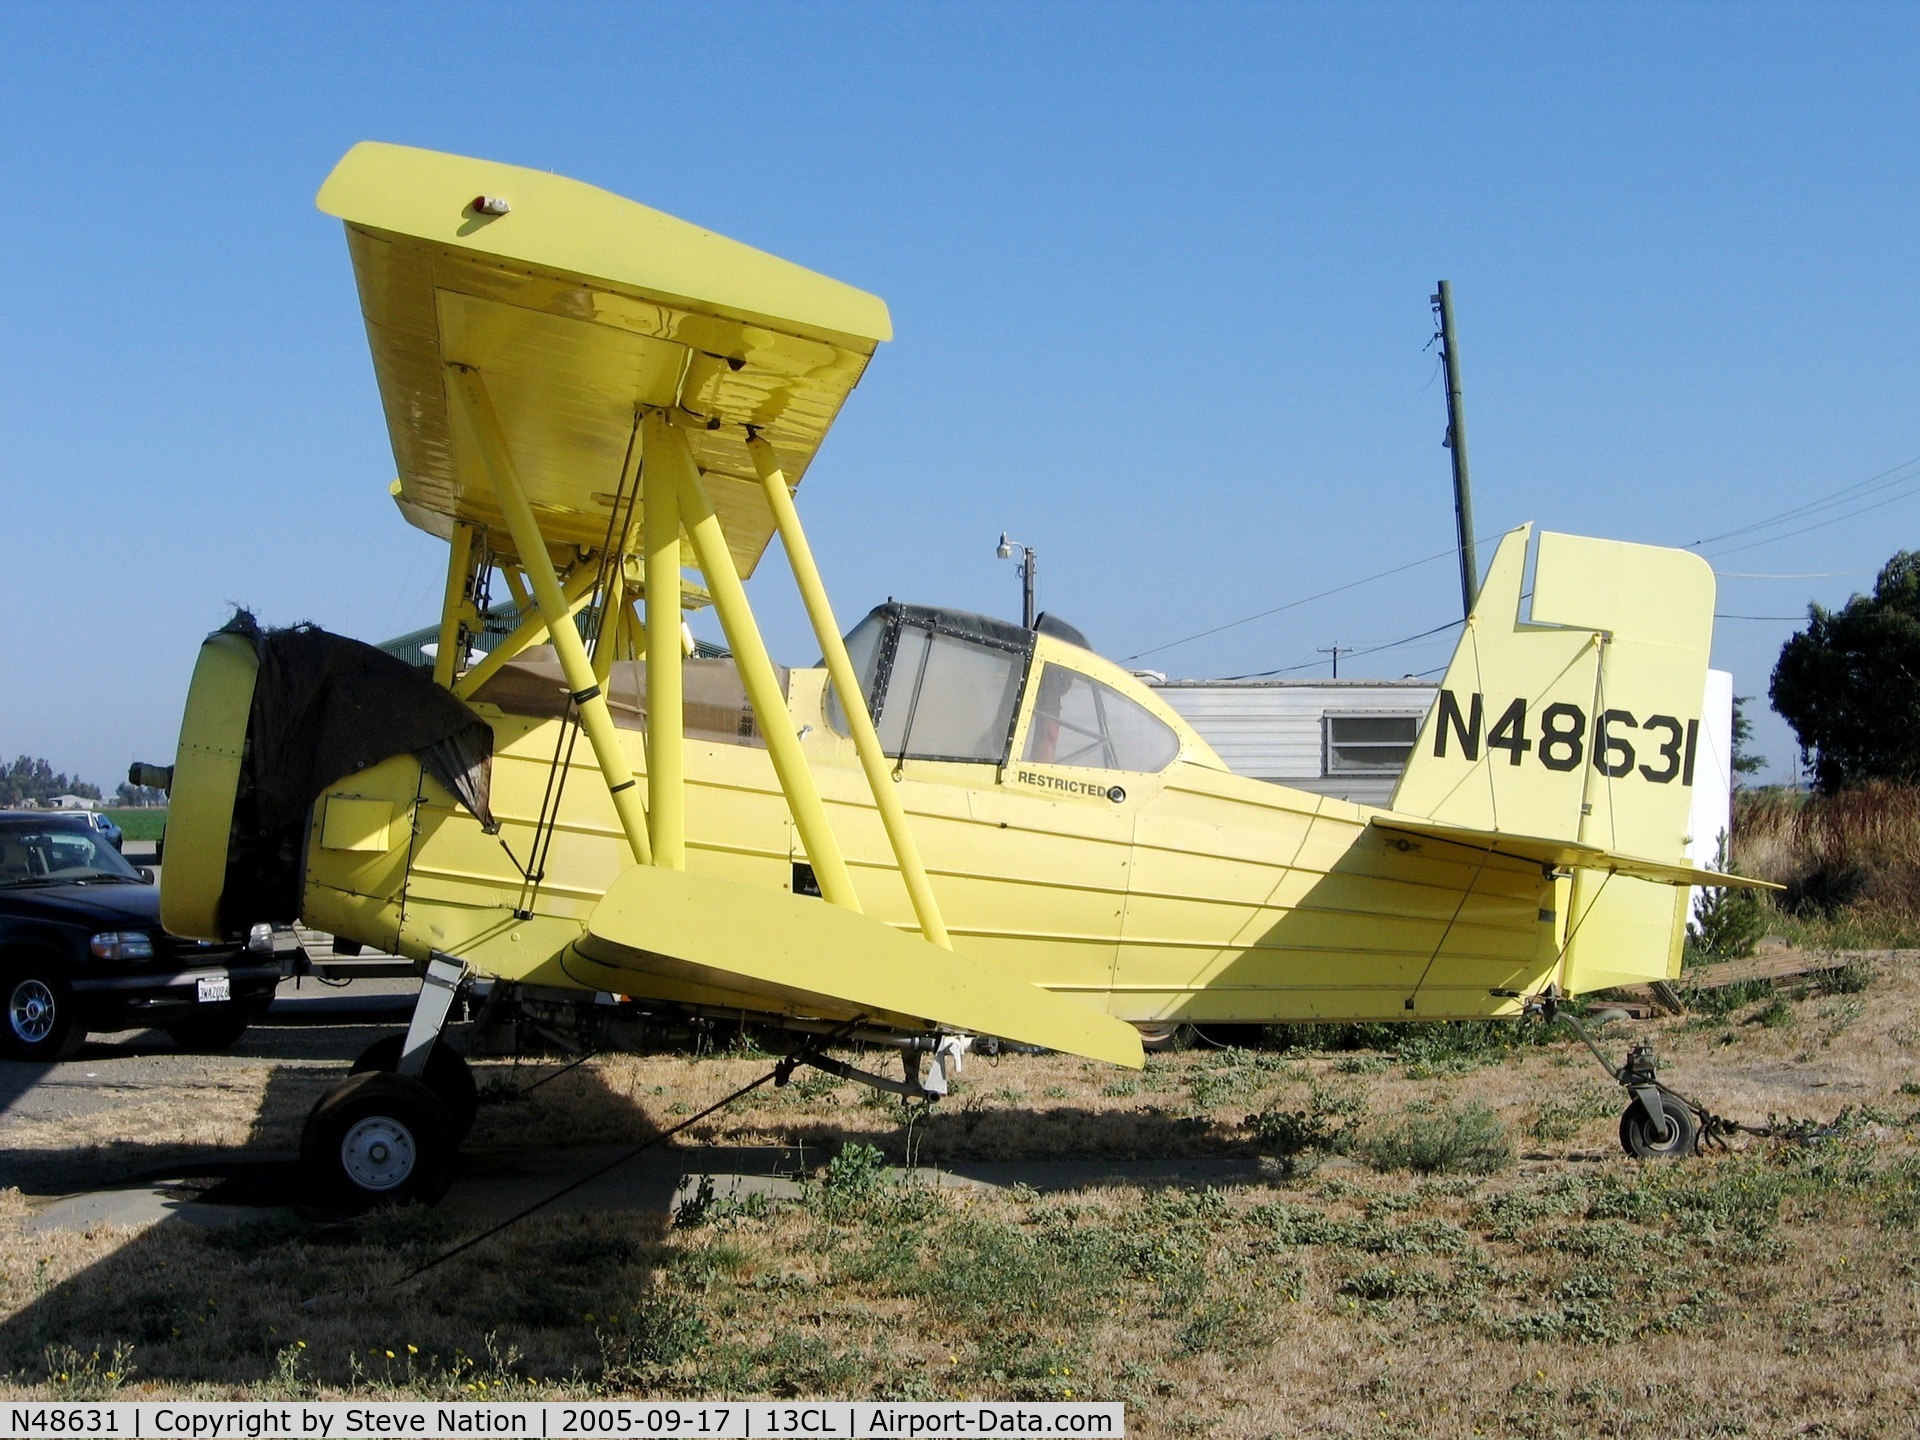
x=217 y=1030
x=447 y=1076
x=39 y=1021
x=379 y=1139
x=1680 y=1138
x=1167 y=1039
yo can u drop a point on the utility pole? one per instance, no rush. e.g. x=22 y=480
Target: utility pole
x=1456 y=442
x=1336 y=650
x=1029 y=575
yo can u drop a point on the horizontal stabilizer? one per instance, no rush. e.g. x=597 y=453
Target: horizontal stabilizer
x=799 y=951
x=1569 y=854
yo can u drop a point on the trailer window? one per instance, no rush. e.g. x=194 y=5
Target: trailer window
x=1370 y=744
x=1079 y=721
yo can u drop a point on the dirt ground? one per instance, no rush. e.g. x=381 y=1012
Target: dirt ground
x=1448 y=1242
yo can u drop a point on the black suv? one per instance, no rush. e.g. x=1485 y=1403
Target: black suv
x=81 y=949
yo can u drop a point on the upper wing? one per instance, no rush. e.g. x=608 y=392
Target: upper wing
x=1568 y=854
x=578 y=305
x=796 y=951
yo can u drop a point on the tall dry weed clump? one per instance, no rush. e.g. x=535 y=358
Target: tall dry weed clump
x=1850 y=859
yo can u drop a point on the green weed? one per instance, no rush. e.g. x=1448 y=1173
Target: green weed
x=76 y=1375
x=1289 y=1133
x=1561 y=1117
x=1465 y=1139
x=659 y=1330
x=1387 y=1282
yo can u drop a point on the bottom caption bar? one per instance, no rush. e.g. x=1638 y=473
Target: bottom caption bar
x=721 y=1420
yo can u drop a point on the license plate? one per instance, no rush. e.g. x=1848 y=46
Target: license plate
x=214 y=987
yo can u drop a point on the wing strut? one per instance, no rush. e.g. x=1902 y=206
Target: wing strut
x=675 y=501
x=663 y=456
x=577 y=588
x=866 y=741
x=756 y=672
x=595 y=718
x=455 y=607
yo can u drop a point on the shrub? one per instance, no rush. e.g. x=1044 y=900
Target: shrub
x=1292 y=1132
x=660 y=1330
x=1466 y=1139
x=1561 y=1117
x=852 y=1176
x=1386 y=1282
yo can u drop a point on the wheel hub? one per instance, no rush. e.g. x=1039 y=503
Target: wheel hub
x=378 y=1153
x=30 y=1011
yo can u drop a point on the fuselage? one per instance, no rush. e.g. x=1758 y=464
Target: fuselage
x=1077 y=832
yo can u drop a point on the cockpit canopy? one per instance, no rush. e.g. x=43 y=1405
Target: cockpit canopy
x=948 y=685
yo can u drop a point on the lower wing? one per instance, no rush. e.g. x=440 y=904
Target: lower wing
x=794 y=950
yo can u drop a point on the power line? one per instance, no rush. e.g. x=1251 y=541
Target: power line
x=1819 y=524
x=1809 y=575
x=1294 y=605
x=1858 y=490
x=1887 y=479
x=1369 y=650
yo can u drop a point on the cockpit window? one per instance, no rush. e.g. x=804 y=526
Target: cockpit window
x=937 y=694
x=1078 y=721
x=949 y=699
x=863 y=648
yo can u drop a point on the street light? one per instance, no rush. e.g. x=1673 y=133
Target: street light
x=1029 y=574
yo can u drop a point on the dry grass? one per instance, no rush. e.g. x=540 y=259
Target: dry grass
x=1850 y=862
x=1772 y=1290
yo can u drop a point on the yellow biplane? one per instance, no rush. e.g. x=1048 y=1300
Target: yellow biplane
x=953 y=830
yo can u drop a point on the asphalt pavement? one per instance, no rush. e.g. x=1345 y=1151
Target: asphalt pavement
x=315 y=1026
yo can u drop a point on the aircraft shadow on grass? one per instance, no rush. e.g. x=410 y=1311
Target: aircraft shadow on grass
x=190 y=1301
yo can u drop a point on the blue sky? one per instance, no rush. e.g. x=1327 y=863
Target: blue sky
x=1159 y=280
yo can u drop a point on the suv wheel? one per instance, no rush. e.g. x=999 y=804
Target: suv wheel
x=39 y=1019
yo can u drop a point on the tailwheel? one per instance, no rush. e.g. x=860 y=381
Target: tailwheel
x=447 y=1075
x=379 y=1139
x=1677 y=1136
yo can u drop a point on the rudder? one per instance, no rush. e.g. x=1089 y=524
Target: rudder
x=1572 y=710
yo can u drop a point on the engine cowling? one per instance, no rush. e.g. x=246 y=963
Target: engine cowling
x=207 y=772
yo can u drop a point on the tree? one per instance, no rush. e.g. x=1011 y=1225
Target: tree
x=1727 y=920
x=1745 y=762
x=30 y=778
x=1849 y=684
x=133 y=796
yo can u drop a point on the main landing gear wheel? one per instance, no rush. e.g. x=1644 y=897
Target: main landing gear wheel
x=379 y=1139
x=1676 y=1139
x=447 y=1076
x=1166 y=1037
x=39 y=1019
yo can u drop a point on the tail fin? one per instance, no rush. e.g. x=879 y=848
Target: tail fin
x=1571 y=711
